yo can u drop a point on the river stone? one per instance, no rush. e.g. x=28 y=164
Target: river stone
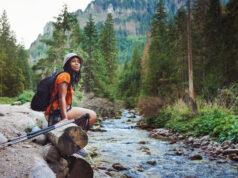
x=179 y=153
x=2 y=138
x=230 y=151
x=226 y=144
x=17 y=103
x=40 y=169
x=196 y=157
x=222 y=161
x=119 y=167
x=152 y=162
x=142 y=142
x=41 y=139
x=139 y=169
x=190 y=139
x=233 y=157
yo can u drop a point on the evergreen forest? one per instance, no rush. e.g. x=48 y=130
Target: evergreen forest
x=201 y=40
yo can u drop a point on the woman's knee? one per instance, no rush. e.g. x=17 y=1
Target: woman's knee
x=93 y=116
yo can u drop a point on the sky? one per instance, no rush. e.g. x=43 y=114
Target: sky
x=27 y=18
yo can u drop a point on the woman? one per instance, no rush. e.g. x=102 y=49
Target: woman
x=61 y=109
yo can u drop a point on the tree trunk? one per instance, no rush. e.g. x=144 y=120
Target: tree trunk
x=68 y=139
x=79 y=167
x=190 y=64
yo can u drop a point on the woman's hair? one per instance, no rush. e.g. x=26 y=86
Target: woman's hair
x=74 y=76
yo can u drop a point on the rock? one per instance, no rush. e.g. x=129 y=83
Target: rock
x=226 y=144
x=17 y=103
x=179 y=153
x=132 y=116
x=93 y=154
x=139 y=169
x=40 y=169
x=2 y=138
x=204 y=143
x=180 y=137
x=152 y=162
x=1 y=114
x=196 y=157
x=190 y=139
x=234 y=157
x=222 y=161
x=172 y=142
x=196 y=143
x=101 y=106
x=51 y=154
x=205 y=138
x=119 y=167
x=142 y=142
x=26 y=146
x=41 y=139
x=124 y=176
x=230 y=151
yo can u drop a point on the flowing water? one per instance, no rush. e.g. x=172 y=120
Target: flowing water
x=122 y=143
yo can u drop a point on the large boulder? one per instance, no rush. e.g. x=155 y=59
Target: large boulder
x=101 y=106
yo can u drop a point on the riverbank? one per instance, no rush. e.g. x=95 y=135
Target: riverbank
x=213 y=129
x=121 y=149
x=212 y=149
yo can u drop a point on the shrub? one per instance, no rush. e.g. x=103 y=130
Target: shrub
x=150 y=106
x=26 y=96
x=228 y=97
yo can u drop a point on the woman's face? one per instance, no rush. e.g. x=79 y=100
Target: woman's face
x=75 y=64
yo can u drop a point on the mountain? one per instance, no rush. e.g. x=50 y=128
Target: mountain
x=131 y=20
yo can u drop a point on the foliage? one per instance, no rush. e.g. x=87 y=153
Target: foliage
x=212 y=120
x=130 y=79
x=149 y=106
x=26 y=96
x=14 y=68
x=6 y=100
x=58 y=44
x=228 y=97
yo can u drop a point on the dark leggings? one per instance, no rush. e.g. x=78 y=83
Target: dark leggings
x=56 y=116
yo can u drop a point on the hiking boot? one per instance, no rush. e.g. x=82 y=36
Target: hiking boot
x=82 y=152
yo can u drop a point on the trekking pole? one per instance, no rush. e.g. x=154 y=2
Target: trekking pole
x=25 y=135
x=45 y=130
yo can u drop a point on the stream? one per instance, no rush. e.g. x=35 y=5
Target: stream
x=119 y=141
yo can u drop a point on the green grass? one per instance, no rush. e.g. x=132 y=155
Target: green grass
x=211 y=119
x=26 y=96
x=6 y=100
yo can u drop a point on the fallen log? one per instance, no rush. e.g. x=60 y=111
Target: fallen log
x=68 y=139
x=79 y=167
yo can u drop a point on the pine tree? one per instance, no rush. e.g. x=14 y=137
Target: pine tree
x=156 y=51
x=130 y=79
x=180 y=44
x=199 y=11
x=108 y=47
x=90 y=45
x=22 y=63
x=59 y=44
x=230 y=42
x=12 y=78
x=190 y=63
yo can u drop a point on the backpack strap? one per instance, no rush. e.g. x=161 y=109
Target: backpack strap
x=56 y=98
